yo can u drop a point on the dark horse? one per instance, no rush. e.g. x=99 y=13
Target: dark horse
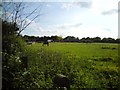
x=45 y=43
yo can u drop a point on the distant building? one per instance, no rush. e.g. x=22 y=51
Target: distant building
x=30 y=42
x=50 y=40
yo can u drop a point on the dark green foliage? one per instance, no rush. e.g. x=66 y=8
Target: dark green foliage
x=9 y=28
x=71 y=39
x=41 y=39
x=12 y=48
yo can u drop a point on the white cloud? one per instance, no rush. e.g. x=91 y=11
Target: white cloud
x=94 y=24
x=83 y=3
x=64 y=30
x=67 y=6
x=99 y=6
x=110 y=12
x=67 y=26
x=77 y=3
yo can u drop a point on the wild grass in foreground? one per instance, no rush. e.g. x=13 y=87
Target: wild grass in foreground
x=85 y=71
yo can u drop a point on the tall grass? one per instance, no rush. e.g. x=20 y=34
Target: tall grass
x=83 y=64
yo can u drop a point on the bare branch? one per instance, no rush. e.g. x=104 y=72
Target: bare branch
x=27 y=25
x=17 y=15
x=24 y=23
x=30 y=14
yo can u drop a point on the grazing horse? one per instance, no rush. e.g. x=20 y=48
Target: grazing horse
x=45 y=43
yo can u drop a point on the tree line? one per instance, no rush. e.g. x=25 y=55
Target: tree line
x=70 y=39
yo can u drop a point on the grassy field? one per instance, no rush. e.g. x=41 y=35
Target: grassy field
x=87 y=65
x=85 y=50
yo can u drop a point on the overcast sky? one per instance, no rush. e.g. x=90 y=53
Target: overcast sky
x=80 y=18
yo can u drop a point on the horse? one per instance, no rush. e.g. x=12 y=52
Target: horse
x=45 y=43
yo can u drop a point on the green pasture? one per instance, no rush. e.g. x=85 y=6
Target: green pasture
x=79 y=50
x=87 y=65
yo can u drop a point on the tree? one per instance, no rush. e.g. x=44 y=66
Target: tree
x=11 y=46
x=8 y=36
x=14 y=21
x=108 y=40
x=86 y=40
x=118 y=40
x=71 y=39
x=56 y=38
x=15 y=12
x=96 y=39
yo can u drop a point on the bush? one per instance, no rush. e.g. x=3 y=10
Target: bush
x=12 y=49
